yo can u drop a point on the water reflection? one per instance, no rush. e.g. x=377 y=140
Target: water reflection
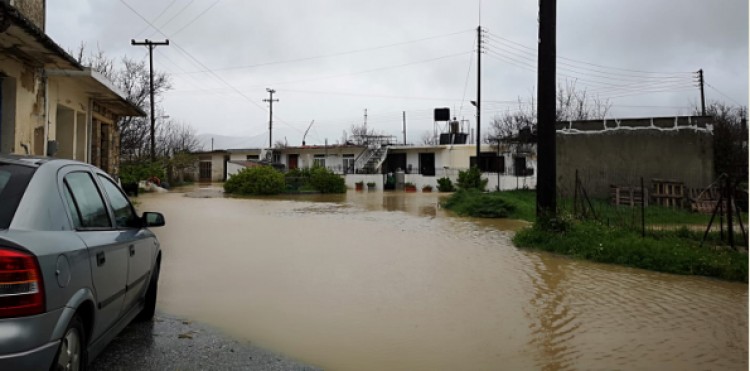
x=552 y=323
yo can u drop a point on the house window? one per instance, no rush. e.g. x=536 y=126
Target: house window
x=319 y=161
x=276 y=158
x=252 y=157
x=348 y=163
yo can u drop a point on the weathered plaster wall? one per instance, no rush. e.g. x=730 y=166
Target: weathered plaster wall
x=623 y=156
x=28 y=105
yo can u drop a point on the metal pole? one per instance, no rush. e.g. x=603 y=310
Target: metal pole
x=404 y=120
x=643 y=210
x=479 y=90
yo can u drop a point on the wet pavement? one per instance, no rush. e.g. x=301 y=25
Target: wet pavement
x=170 y=343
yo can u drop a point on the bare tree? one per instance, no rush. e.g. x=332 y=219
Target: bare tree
x=359 y=134
x=519 y=125
x=428 y=138
x=132 y=78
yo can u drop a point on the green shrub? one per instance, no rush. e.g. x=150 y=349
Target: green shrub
x=445 y=185
x=260 y=180
x=474 y=203
x=325 y=181
x=471 y=179
x=136 y=171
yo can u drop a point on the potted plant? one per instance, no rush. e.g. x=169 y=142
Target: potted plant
x=370 y=186
x=410 y=187
x=359 y=186
x=427 y=188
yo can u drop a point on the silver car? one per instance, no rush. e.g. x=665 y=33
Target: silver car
x=76 y=263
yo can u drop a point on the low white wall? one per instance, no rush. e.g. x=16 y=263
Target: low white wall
x=350 y=179
x=233 y=168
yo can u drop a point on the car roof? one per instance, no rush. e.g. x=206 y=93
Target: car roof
x=35 y=161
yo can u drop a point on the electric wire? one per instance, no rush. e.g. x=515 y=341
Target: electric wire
x=196 y=18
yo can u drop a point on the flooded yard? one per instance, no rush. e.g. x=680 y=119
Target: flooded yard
x=376 y=281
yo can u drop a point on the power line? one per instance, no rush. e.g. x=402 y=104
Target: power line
x=196 y=18
x=168 y=21
x=726 y=96
x=156 y=18
x=355 y=51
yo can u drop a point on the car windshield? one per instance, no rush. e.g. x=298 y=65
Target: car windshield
x=13 y=182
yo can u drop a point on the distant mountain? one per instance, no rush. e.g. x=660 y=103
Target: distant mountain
x=231 y=142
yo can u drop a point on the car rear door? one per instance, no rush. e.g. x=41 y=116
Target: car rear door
x=141 y=245
x=108 y=252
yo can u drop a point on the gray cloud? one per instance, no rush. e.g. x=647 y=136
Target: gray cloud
x=666 y=36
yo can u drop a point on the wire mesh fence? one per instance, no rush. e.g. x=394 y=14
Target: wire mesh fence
x=658 y=206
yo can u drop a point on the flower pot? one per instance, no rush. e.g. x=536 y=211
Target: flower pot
x=410 y=188
x=359 y=186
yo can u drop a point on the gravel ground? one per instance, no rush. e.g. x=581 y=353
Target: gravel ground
x=170 y=343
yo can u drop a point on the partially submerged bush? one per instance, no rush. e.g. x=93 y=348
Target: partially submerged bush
x=474 y=203
x=445 y=185
x=471 y=179
x=325 y=181
x=260 y=180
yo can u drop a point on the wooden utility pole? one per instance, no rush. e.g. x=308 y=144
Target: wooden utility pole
x=151 y=45
x=703 y=96
x=270 y=100
x=546 y=189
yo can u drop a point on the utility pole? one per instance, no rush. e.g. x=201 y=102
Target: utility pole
x=270 y=100
x=151 y=45
x=703 y=96
x=404 y=120
x=546 y=195
x=365 y=120
x=479 y=90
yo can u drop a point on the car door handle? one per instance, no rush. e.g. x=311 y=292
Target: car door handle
x=132 y=250
x=100 y=259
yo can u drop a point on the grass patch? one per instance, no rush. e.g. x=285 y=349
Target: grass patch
x=666 y=252
x=510 y=204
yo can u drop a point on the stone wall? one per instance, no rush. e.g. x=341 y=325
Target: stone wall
x=34 y=10
x=621 y=152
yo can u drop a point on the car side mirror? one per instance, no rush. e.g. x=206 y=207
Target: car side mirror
x=152 y=219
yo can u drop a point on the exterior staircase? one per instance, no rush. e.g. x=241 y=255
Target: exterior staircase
x=371 y=159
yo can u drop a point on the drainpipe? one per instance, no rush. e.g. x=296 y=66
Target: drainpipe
x=45 y=82
x=89 y=130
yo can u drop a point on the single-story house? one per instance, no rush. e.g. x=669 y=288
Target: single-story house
x=50 y=105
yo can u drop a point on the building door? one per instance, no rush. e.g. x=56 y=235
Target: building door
x=293 y=162
x=204 y=171
x=394 y=162
x=427 y=164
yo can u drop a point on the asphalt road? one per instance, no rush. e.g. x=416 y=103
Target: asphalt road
x=170 y=343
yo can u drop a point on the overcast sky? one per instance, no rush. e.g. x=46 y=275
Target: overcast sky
x=330 y=60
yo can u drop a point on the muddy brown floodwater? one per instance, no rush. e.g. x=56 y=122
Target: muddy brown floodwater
x=374 y=281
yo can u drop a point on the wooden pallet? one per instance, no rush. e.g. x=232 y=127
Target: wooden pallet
x=668 y=193
x=628 y=196
x=704 y=200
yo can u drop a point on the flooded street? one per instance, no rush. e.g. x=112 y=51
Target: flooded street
x=374 y=281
